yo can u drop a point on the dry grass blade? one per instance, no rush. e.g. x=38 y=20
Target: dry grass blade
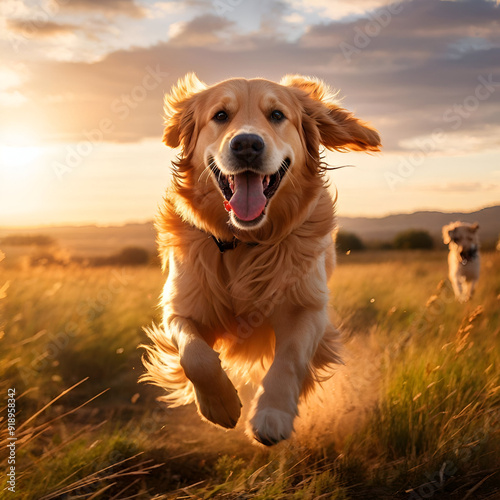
x=119 y=495
x=189 y=494
x=24 y=424
x=255 y=475
x=478 y=485
x=90 y=477
x=33 y=338
x=85 y=430
x=98 y=493
x=73 y=410
x=94 y=478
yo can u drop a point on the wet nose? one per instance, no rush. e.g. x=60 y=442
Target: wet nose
x=247 y=147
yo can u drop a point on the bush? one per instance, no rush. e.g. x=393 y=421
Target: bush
x=132 y=256
x=128 y=256
x=22 y=240
x=414 y=239
x=348 y=242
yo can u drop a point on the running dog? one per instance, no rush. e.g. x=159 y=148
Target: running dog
x=463 y=258
x=245 y=236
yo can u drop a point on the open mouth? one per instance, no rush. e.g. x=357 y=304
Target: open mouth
x=468 y=255
x=248 y=193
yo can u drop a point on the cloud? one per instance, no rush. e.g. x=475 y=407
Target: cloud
x=39 y=29
x=127 y=8
x=420 y=72
x=479 y=138
x=338 y=9
x=200 y=31
x=294 y=18
x=417 y=60
x=460 y=187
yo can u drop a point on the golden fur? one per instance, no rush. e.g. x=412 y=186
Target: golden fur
x=258 y=310
x=463 y=257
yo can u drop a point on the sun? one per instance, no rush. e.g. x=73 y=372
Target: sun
x=18 y=156
x=21 y=176
x=18 y=151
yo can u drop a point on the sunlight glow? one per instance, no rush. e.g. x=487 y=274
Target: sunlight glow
x=21 y=166
x=15 y=156
x=18 y=150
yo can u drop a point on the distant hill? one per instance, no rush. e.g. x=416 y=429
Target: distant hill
x=385 y=228
x=93 y=240
x=107 y=240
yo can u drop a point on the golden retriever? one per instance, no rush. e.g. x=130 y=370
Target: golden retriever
x=463 y=258
x=245 y=236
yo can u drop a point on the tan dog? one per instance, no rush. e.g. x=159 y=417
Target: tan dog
x=463 y=258
x=246 y=239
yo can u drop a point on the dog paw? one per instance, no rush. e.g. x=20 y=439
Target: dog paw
x=221 y=405
x=269 y=426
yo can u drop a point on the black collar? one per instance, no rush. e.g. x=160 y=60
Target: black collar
x=226 y=245
x=468 y=255
x=230 y=245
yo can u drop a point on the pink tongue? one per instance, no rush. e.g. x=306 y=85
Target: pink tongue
x=248 y=200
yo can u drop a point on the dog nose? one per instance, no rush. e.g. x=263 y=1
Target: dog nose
x=247 y=146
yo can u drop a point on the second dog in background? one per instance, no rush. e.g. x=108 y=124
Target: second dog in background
x=463 y=259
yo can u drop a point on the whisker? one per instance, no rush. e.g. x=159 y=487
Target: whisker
x=207 y=170
x=292 y=179
x=289 y=172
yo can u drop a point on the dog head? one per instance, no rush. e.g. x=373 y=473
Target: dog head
x=462 y=238
x=252 y=147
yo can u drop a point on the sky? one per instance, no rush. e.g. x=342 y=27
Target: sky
x=82 y=85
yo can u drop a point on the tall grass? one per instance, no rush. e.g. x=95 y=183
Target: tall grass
x=414 y=414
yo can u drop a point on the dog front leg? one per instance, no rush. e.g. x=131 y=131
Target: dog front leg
x=468 y=290
x=472 y=288
x=216 y=398
x=298 y=333
x=457 y=286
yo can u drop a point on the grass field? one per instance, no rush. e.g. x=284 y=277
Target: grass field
x=415 y=413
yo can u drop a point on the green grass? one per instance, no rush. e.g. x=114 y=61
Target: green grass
x=422 y=374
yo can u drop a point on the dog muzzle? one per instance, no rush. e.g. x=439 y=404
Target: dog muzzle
x=468 y=255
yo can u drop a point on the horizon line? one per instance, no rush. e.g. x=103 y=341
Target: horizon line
x=132 y=222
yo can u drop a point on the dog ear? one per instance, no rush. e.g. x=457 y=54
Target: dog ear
x=179 y=110
x=474 y=227
x=448 y=233
x=338 y=128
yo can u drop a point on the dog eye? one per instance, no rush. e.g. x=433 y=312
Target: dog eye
x=277 y=115
x=220 y=116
